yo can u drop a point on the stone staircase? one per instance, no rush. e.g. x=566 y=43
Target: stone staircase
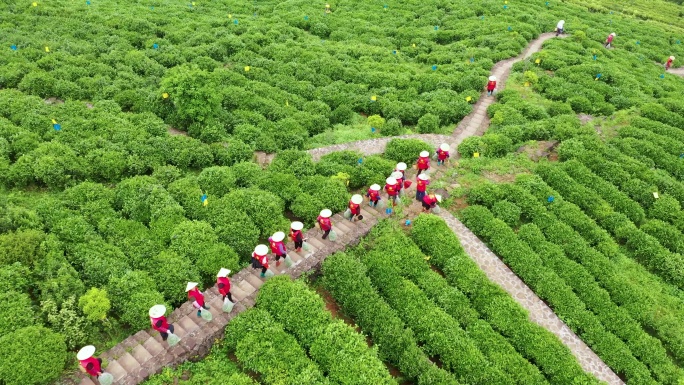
x=145 y=353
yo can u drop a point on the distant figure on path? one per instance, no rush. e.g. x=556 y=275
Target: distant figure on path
x=423 y=163
x=442 y=153
x=197 y=296
x=277 y=246
x=560 y=27
x=223 y=283
x=324 y=222
x=491 y=85
x=430 y=201
x=159 y=322
x=609 y=40
x=391 y=189
x=296 y=235
x=401 y=167
x=668 y=64
x=89 y=364
x=260 y=259
x=421 y=186
x=400 y=182
x=355 y=206
x=373 y=194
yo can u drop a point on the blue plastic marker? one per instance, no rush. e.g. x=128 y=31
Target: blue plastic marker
x=436 y=27
x=13 y=47
x=509 y=28
x=594 y=57
x=88 y=2
x=638 y=42
x=385 y=6
x=155 y=46
x=235 y=21
x=681 y=156
x=550 y=199
x=482 y=17
x=306 y=17
x=388 y=211
x=359 y=161
x=547 y=3
x=505 y=6
x=204 y=197
x=394 y=51
x=434 y=68
x=57 y=127
x=678 y=42
x=472 y=59
x=372 y=129
x=408 y=222
x=662 y=76
x=152 y=8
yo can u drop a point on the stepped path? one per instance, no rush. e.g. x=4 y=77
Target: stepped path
x=144 y=353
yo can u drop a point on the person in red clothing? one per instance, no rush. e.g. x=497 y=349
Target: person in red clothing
x=668 y=64
x=278 y=246
x=223 y=283
x=391 y=189
x=296 y=235
x=430 y=201
x=442 y=153
x=421 y=186
x=423 y=163
x=355 y=206
x=400 y=182
x=373 y=194
x=197 y=297
x=159 y=322
x=89 y=364
x=260 y=259
x=324 y=222
x=401 y=167
x=609 y=40
x=491 y=85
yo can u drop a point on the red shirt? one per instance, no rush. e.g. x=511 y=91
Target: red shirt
x=373 y=194
x=422 y=185
x=92 y=366
x=264 y=261
x=391 y=189
x=160 y=324
x=441 y=155
x=223 y=285
x=423 y=163
x=491 y=85
x=399 y=185
x=324 y=223
x=430 y=201
x=669 y=63
x=277 y=248
x=403 y=174
x=296 y=235
x=609 y=39
x=355 y=209
x=197 y=295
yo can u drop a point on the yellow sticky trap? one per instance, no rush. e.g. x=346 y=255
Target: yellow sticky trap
x=596 y=78
x=476 y=155
x=205 y=202
x=468 y=98
x=427 y=257
x=506 y=2
x=537 y=61
x=54 y=121
x=287 y=103
x=47 y=49
x=35 y=4
x=165 y=95
x=193 y=3
x=527 y=84
x=230 y=15
x=655 y=195
x=374 y=98
x=414 y=45
x=246 y=68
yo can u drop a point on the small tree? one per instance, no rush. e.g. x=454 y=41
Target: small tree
x=376 y=121
x=95 y=304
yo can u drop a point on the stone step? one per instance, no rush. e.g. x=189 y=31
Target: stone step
x=128 y=362
x=188 y=324
x=247 y=287
x=237 y=293
x=141 y=354
x=254 y=280
x=153 y=347
x=298 y=256
x=115 y=370
x=87 y=381
x=346 y=225
x=316 y=243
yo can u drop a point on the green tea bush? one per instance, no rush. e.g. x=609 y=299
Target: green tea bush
x=428 y=123
x=507 y=212
x=29 y=348
x=471 y=145
x=216 y=181
x=406 y=150
x=15 y=312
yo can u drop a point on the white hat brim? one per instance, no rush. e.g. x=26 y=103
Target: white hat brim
x=326 y=213
x=401 y=166
x=423 y=177
x=85 y=352
x=297 y=226
x=375 y=187
x=157 y=311
x=391 y=180
x=261 y=250
x=424 y=154
x=223 y=273
x=444 y=147
x=190 y=286
x=278 y=236
x=357 y=199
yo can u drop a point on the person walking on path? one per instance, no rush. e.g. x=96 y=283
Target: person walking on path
x=400 y=182
x=491 y=85
x=223 y=283
x=197 y=296
x=421 y=186
x=373 y=195
x=560 y=28
x=260 y=259
x=88 y=363
x=391 y=189
x=278 y=246
x=668 y=64
x=296 y=235
x=430 y=201
x=324 y=222
x=442 y=153
x=355 y=206
x=159 y=322
x=423 y=163
x=609 y=40
x=401 y=167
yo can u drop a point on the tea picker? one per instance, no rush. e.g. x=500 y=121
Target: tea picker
x=430 y=201
x=421 y=186
x=423 y=163
x=260 y=259
x=277 y=246
x=354 y=207
x=560 y=27
x=399 y=185
x=223 y=283
x=159 y=322
x=88 y=363
x=442 y=154
x=401 y=167
x=197 y=296
x=391 y=189
x=491 y=85
x=373 y=195
x=668 y=64
x=324 y=223
x=296 y=235
x=609 y=40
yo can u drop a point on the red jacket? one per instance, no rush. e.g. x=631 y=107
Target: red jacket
x=441 y=155
x=669 y=63
x=296 y=235
x=324 y=223
x=428 y=200
x=160 y=324
x=422 y=185
x=263 y=259
x=403 y=174
x=491 y=85
x=423 y=163
x=373 y=195
x=197 y=296
x=277 y=248
x=355 y=209
x=609 y=39
x=391 y=189
x=92 y=366
x=399 y=185
x=223 y=285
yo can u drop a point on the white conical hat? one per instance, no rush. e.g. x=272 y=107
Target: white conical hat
x=157 y=311
x=671 y=57
x=278 y=236
x=439 y=198
x=492 y=78
x=190 y=286
x=401 y=166
x=613 y=34
x=375 y=187
x=397 y=175
x=223 y=273
x=391 y=181
x=444 y=147
x=424 y=154
x=85 y=352
x=357 y=199
x=325 y=213
x=297 y=226
x=261 y=250
x=423 y=177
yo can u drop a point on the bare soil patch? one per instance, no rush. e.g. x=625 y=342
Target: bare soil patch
x=540 y=149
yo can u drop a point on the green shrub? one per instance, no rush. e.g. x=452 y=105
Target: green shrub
x=95 y=304
x=373 y=169
x=15 y=312
x=392 y=127
x=306 y=207
x=135 y=311
x=298 y=163
x=496 y=145
x=247 y=174
x=216 y=181
x=405 y=150
x=559 y=108
x=507 y=212
x=329 y=191
x=27 y=349
x=171 y=271
x=428 y=123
